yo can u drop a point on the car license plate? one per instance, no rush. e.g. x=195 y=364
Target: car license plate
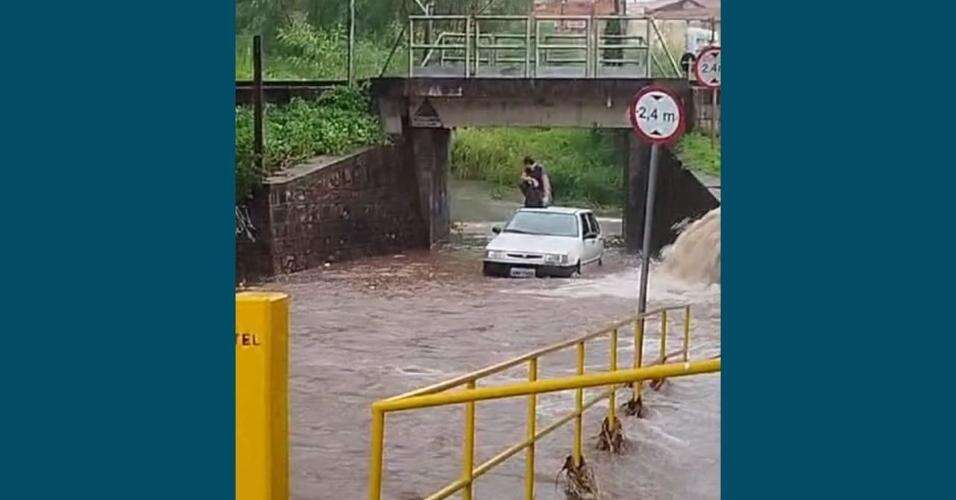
x=522 y=272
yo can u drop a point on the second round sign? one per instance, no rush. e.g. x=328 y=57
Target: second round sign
x=656 y=115
x=708 y=67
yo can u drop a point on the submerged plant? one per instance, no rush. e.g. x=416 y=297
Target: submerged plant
x=634 y=407
x=612 y=436
x=578 y=480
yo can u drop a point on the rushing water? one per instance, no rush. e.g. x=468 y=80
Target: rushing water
x=375 y=328
x=695 y=256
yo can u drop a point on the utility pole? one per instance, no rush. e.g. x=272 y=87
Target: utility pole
x=258 y=114
x=351 y=56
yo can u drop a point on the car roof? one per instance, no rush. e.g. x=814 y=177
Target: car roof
x=556 y=210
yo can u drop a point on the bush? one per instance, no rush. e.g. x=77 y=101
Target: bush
x=582 y=164
x=336 y=123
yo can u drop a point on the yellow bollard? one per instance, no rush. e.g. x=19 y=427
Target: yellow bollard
x=262 y=403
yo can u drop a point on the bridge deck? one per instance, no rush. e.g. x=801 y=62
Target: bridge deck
x=488 y=101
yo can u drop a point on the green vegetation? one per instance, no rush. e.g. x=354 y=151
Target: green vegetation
x=302 y=51
x=338 y=122
x=307 y=39
x=582 y=164
x=695 y=152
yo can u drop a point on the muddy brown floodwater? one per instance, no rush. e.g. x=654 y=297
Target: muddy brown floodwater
x=379 y=327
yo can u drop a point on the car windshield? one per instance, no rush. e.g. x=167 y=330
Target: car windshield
x=543 y=223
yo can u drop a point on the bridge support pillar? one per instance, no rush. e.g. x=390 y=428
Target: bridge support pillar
x=680 y=195
x=430 y=154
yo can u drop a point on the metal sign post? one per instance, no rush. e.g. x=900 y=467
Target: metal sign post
x=658 y=118
x=707 y=69
x=648 y=220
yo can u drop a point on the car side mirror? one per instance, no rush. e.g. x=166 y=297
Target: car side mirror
x=496 y=230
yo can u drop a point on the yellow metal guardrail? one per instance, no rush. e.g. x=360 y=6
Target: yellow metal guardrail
x=441 y=394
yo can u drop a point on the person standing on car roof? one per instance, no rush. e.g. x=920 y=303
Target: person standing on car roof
x=532 y=189
x=535 y=184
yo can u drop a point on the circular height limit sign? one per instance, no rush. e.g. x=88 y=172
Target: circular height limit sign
x=656 y=115
x=707 y=67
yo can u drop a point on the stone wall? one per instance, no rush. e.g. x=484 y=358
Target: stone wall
x=374 y=201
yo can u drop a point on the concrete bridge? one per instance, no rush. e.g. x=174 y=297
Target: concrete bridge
x=341 y=208
x=411 y=107
x=495 y=102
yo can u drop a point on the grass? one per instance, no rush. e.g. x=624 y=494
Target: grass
x=583 y=165
x=695 y=151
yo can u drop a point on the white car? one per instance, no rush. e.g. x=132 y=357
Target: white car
x=552 y=241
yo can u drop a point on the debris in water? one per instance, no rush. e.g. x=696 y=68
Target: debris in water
x=578 y=480
x=612 y=436
x=695 y=255
x=614 y=241
x=634 y=407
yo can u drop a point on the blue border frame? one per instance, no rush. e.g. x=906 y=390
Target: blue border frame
x=118 y=369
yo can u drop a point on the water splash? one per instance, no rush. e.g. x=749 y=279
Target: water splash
x=695 y=255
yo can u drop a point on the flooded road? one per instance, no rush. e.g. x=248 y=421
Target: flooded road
x=379 y=327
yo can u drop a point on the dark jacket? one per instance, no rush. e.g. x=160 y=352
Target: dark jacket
x=533 y=196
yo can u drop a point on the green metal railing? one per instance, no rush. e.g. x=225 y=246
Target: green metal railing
x=533 y=44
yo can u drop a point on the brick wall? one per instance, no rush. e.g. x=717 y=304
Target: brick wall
x=374 y=201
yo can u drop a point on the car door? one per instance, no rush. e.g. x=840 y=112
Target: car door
x=590 y=241
x=599 y=239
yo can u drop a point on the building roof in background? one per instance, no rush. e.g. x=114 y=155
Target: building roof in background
x=681 y=9
x=660 y=9
x=574 y=7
